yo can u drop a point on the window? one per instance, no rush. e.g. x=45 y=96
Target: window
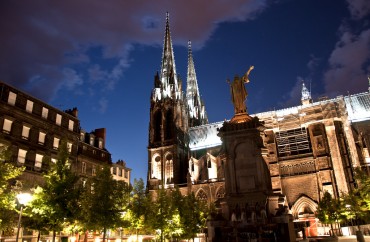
x=56 y=143
x=45 y=112
x=93 y=171
x=11 y=98
x=29 y=106
x=119 y=172
x=38 y=160
x=25 y=132
x=100 y=144
x=42 y=137
x=71 y=124
x=58 y=119
x=114 y=170
x=22 y=156
x=69 y=147
x=82 y=136
x=83 y=168
x=7 y=127
x=126 y=173
x=91 y=140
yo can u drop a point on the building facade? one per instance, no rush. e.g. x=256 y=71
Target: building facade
x=309 y=148
x=33 y=130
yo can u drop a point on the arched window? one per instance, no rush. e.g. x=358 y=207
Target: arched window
x=201 y=195
x=169 y=168
x=157 y=126
x=169 y=125
x=156 y=167
x=220 y=192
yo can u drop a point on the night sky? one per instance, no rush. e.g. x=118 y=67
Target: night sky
x=101 y=56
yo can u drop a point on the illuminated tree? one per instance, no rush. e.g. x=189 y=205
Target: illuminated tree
x=330 y=210
x=139 y=207
x=161 y=213
x=357 y=201
x=194 y=214
x=56 y=203
x=8 y=172
x=103 y=202
x=176 y=216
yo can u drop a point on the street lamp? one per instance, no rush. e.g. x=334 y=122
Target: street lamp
x=23 y=199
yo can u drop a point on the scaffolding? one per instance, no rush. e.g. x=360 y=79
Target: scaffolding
x=293 y=142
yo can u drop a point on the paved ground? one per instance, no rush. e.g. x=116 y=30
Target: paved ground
x=342 y=238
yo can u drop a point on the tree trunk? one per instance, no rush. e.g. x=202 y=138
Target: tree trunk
x=54 y=234
x=86 y=235
x=104 y=231
x=38 y=236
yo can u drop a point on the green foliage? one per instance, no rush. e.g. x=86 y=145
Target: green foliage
x=8 y=172
x=357 y=201
x=139 y=208
x=56 y=203
x=330 y=210
x=103 y=201
x=175 y=216
x=194 y=214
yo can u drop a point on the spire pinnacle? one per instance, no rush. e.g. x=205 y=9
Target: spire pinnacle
x=197 y=112
x=168 y=76
x=306 y=95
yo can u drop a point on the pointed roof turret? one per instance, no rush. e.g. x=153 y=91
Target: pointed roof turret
x=168 y=74
x=306 y=95
x=196 y=106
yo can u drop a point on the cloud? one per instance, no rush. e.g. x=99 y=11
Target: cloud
x=358 y=8
x=47 y=41
x=103 y=105
x=349 y=63
x=293 y=98
x=71 y=78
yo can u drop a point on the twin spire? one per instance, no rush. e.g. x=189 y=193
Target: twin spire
x=168 y=85
x=197 y=113
x=168 y=76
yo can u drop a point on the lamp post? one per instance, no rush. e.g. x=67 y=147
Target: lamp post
x=23 y=199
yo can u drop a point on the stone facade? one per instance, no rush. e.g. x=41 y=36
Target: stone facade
x=308 y=149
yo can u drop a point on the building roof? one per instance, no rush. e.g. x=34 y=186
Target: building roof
x=357 y=107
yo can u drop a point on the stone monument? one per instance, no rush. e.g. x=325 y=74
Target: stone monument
x=249 y=204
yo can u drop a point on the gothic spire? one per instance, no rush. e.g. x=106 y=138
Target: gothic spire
x=168 y=74
x=306 y=95
x=196 y=106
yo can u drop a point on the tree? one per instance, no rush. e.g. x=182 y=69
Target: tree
x=357 y=201
x=8 y=172
x=103 y=202
x=330 y=210
x=161 y=213
x=56 y=203
x=194 y=214
x=177 y=216
x=139 y=206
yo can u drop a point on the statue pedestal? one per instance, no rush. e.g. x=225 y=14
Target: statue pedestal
x=247 y=177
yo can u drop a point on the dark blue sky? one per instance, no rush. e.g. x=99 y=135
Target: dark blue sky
x=101 y=56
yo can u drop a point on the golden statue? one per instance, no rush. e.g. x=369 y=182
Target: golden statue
x=239 y=92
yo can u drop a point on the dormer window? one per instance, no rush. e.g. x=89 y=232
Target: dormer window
x=45 y=112
x=29 y=106
x=12 y=98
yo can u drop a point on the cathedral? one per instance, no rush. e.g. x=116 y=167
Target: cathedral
x=308 y=149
